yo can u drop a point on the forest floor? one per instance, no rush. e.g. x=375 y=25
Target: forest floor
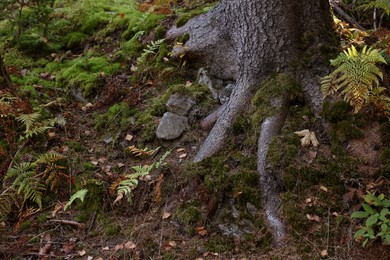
x=180 y=210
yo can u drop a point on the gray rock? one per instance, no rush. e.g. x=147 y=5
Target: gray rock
x=230 y=230
x=225 y=93
x=252 y=209
x=180 y=104
x=171 y=126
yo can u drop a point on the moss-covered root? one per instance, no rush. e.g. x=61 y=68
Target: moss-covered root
x=268 y=181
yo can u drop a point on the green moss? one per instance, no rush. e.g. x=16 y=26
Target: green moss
x=336 y=112
x=74 y=39
x=220 y=244
x=25 y=225
x=95 y=196
x=118 y=115
x=42 y=218
x=92 y=23
x=189 y=212
x=246 y=182
x=184 y=38
x=76 y=146
x=274 y=87
x=132 y=48
x=160 y=32
x=112 y=229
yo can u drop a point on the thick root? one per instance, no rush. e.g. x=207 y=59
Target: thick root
x=268 y=182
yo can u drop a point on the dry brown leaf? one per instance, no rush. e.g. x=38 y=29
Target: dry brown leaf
x=68 y=247
x=324 y=253
x=323 y=188
x=118 y=247
x=47 y=246
x=172 y=243
x=81 y=253
x=179 y=150
x=120 y=165
x=184 y=155
x=51 y=134
x=57 y=208
x=64 y=148
x=201 y=231
x=314 y=217
x=118 y=198
x=130 y=245
x=314 y=140
x=94 y=161
x=302 y=133
x=102 y=159
x=166 y=215
x=308 y=200
x=106 y=248
x=129 y=137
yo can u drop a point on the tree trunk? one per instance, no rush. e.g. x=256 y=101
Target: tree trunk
x=247 y=41
x=5 y=80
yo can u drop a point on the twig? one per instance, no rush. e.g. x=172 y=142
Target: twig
x=345 y=16
x=68 y=222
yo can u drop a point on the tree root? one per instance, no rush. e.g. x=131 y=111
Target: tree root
x=268 y=183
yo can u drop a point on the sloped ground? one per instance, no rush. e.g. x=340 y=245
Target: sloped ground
x=210 y=210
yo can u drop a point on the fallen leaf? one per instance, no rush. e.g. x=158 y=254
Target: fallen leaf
x=57 y=208
x=81 y=253
x=129 y=137
x=172 y=243
x=166 y=215
x=335 y=214
x=120 y=165
x=188 y=84
x=103 y=159
x=302 y=133
x=47 y=246
x=2 y=224
x=107 y=169
x=94 y=161
x=313 y=139
x=236 y=194
x=85 y=108
x=64 y=148
x=323 y=188
x=106 y=248
x=68 y=247
x=179 y=150
x=184 y=155
x=118 y=247
x=308 y=200
x=312 y=155
x=201 y=231
x=89 y=257
x=347 y=197
x=314 y=217
x=51 y=134
x=130 y=245
x=324 y=253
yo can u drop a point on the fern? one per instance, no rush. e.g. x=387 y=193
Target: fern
x=356 y=76
x=126 y=187
x=78 y=195
x=53 y=172
x=26 y=183
x=379 y=4
x=151 y=49
x=33 y=125
x=8 y=198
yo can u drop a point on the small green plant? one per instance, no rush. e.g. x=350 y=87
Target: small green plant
x=151 y=49
x=78 y=195
x=376 y=219
x=357 y=77
x=126 y=187
x=379 y=4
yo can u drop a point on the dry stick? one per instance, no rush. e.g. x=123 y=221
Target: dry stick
x=344 y=15
x=69 y=222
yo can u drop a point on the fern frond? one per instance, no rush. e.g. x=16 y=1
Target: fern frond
x=25 y=182
x=78 y=195
x=49 y=157
x=28 y=119
x=379 y=4
x=8 y=199
x=356 y=74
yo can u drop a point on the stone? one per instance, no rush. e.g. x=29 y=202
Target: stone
x=171 y=126
x=180 y=104
x=225 y=93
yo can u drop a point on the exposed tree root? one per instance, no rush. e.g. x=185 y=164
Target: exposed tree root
x=268 y=183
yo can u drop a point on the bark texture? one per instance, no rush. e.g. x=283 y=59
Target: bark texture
x=247 y=41
x=5 y=80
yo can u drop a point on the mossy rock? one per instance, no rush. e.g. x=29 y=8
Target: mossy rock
x=189 y=212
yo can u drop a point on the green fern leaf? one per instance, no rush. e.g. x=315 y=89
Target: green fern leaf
x=78 y=195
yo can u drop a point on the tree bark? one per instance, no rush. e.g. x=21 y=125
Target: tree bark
x=5 y=80
x=248 y=41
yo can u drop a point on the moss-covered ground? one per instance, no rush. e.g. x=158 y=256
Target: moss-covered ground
x=82 y=66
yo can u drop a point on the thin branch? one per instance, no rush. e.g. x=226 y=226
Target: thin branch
x=345 y=16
